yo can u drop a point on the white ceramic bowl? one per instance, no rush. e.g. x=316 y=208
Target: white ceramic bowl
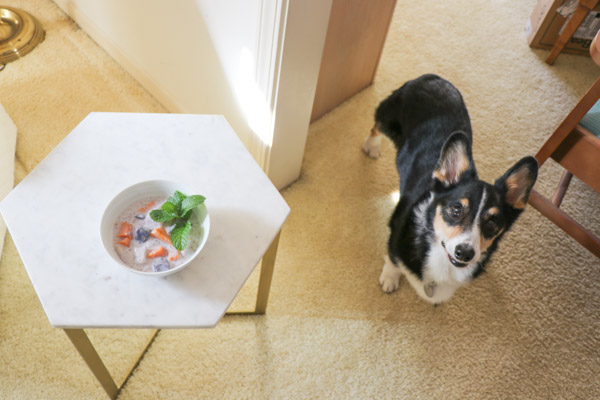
x=159 y=188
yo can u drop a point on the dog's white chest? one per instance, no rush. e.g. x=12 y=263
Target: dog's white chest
x=440 y=277
x=437 y=266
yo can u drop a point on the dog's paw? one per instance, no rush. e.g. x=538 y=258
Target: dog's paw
x=372 y=146
x=390 y=277
x=388 y=284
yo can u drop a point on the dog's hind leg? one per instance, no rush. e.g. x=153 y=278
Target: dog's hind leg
x=372 y=145
x=390 y=276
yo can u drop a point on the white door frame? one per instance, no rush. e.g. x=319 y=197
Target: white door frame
x=292 y=39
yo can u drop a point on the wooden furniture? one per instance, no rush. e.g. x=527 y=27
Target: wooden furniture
x=355 y=37
x=578 y=151
x=583 y=8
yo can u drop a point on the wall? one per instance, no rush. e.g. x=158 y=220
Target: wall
x=183 y=53
x=222 y=57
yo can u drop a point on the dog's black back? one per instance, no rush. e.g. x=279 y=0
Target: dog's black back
x=423 y=113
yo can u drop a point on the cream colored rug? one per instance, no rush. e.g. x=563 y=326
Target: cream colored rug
x=528 y=329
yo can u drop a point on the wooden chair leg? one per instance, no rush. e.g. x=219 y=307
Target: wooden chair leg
x=586 y=238
x=563 y=185
x=584 y=7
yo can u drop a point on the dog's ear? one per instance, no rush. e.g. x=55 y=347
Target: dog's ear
x=455 y=160
x=517 y=182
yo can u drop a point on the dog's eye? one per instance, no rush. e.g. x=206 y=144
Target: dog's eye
x=490 y=226
x=456 y=210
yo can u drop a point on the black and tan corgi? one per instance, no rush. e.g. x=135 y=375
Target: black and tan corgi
x=448 y=222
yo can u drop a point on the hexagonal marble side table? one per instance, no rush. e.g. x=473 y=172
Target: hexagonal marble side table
x=54 y=216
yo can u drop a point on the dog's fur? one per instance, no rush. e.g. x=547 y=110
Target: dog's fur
x=447 y=223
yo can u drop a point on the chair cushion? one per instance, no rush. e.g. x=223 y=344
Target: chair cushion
x=591 y=120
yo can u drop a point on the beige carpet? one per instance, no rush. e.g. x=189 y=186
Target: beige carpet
x=528 y=329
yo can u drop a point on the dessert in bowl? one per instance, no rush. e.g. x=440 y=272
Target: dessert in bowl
x=155 y=227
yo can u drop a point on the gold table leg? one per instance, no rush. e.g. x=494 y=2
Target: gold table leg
x=87 y=351
x=89 y=354
x=264 y=282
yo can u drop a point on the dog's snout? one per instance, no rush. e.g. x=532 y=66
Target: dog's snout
x=464 y=252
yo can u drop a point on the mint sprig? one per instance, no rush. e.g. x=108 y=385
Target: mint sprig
x=178 y=210
x=180 y=234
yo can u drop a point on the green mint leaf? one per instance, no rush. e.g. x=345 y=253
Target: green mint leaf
x=181 y=234
x=170 y=208
x=191 y=202
x=176 y=200
x=162 y=216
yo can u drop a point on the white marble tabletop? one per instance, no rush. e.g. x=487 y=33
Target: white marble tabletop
x=54 y=216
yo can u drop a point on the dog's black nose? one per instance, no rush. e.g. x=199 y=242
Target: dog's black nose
x=464 y=252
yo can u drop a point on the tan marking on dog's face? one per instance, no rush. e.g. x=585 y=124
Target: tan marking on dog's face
x=493 y=211
x=485 y=242
x=442 y=227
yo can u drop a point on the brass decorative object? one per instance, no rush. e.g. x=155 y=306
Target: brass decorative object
x=20 y=32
